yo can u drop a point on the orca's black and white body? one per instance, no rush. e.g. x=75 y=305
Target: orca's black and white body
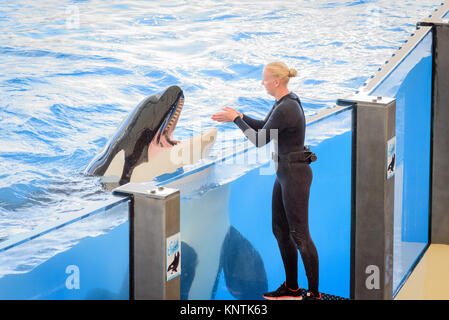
x=143 y=147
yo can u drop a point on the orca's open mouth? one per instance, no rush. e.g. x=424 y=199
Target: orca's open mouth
x=143 y=146
x=164 y=137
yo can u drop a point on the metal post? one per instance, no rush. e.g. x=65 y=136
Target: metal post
x=155 y=242
x=373 y=196
x=440 y=135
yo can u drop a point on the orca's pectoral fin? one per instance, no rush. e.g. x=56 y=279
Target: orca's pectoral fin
x=126 y=174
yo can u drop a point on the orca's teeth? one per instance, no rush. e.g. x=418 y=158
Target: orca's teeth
x=175 y=115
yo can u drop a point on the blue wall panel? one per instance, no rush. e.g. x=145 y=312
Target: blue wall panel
x=95 y=267
x=229 y=250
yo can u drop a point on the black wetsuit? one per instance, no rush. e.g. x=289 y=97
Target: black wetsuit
x=290 y=200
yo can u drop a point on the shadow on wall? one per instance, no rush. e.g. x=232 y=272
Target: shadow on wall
x=242 y=266
x=189 y=261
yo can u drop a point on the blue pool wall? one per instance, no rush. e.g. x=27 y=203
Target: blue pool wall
x=248 y=262
x=96 y=267
x=329 y=220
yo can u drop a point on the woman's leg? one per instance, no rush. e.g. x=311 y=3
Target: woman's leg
x=287 y=247
x=295 y=195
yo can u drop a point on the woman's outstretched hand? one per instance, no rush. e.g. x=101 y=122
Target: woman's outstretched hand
x=227 y=115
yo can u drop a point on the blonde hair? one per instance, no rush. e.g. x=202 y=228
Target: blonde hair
x=281 y=71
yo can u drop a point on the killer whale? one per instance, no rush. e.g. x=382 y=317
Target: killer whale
x=142 y=148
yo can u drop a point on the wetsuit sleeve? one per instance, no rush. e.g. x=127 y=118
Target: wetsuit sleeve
x=253 y=123
x=262 y=136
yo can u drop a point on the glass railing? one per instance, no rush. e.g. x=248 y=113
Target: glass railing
x=410 y=82
x=228 y=248
x=82 y=256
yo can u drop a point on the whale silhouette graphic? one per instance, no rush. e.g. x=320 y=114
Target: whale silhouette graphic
x=174 y=265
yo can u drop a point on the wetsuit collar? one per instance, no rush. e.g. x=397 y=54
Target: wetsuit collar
x=284 y=96
x=290 y=94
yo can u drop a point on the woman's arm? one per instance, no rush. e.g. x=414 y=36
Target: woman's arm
x=253 y=123
x=262 y=136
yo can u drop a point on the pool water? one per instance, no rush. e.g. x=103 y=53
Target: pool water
x=72 y=70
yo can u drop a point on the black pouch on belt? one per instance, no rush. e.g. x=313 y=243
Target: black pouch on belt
x=309 y=155
x=306 y=156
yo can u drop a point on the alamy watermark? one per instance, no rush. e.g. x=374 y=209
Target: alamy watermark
x=373 y=279
x=72 y=282
x=230 y=152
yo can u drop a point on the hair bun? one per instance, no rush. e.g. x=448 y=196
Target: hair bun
x=292 y=73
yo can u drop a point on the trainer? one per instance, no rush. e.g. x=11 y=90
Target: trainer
x=290 y=200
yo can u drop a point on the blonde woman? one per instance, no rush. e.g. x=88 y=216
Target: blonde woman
x=290 y=199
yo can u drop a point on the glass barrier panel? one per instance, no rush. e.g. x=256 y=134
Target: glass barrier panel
x=228 y=247
x=411 y=84
x=86 y=259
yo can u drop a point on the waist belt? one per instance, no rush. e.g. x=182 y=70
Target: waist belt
x=305 y=156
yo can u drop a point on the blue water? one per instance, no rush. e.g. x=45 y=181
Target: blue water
x=72 y=70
